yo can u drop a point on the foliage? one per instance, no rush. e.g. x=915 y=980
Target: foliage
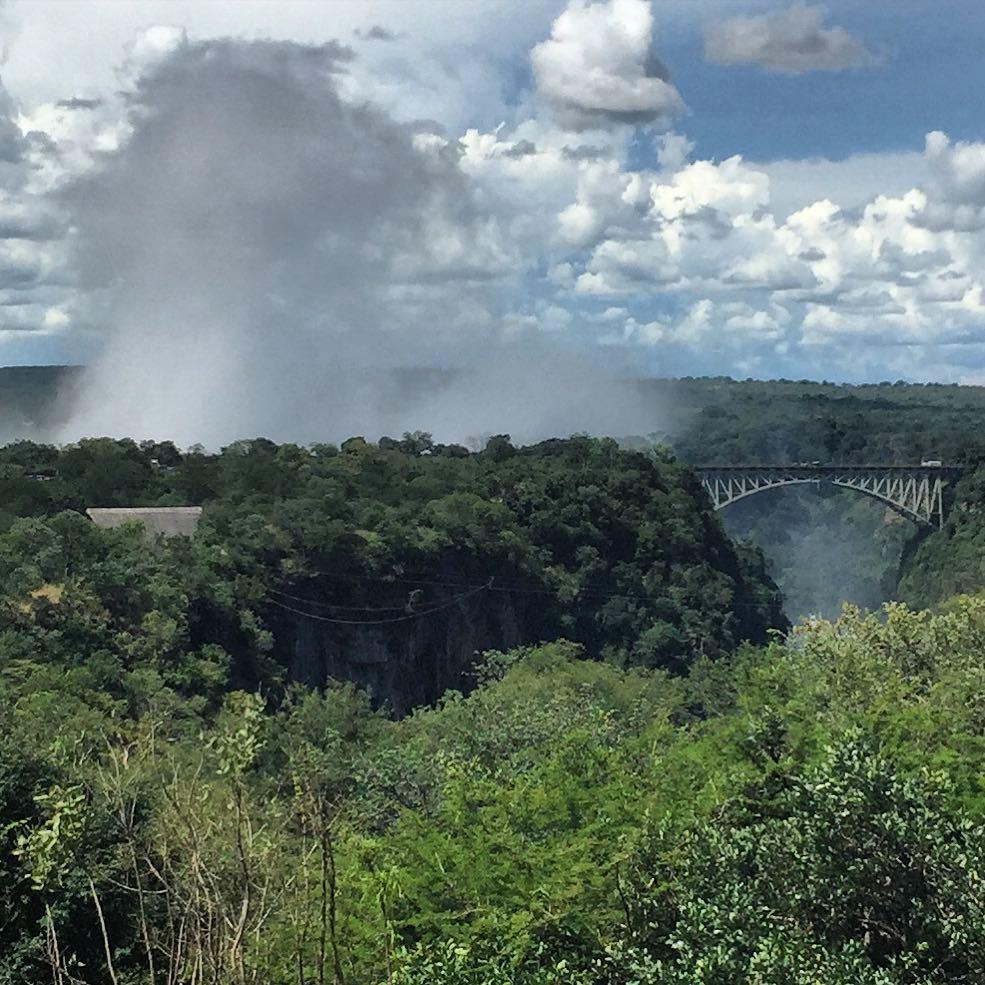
x=787 y=421
x=809 y=812
x=951 y=561
x=826 y=546
x=667 y=793
x=309 y=551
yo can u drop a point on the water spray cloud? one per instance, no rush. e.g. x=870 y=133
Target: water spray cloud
x=261 y=252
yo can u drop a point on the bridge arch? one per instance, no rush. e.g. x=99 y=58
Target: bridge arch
x=915 y=492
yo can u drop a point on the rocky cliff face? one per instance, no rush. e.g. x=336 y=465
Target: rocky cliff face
x=405 y=664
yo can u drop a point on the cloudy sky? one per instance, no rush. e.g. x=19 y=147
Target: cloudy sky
x=676 y=187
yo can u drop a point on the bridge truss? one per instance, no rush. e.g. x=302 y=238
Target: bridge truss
x=917 y=492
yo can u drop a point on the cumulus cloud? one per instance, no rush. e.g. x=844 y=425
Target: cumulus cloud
x=259 y=241
x=12 y=144
x=33 y=278
x=674 y=151
x=704 y=226
x=705 y=245
x=598 y=67
x=791 y=42
x=956 y=188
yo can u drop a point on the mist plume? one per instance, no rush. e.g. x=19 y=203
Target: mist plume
x=262 y=253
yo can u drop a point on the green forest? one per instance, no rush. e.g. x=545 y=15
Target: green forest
x=404 y=713
x=824 y=545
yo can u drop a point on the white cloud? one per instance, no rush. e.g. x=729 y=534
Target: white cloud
x=605 y=196
x=791 y=41
x=823 y=276
x=850 y=182
x=730 y=189
x=598 y=68
x=957 y=170
x=635 y=333
x=673 y=151
x=957 y=183
x=151 y=46
x=416 y=240
x=701 y=227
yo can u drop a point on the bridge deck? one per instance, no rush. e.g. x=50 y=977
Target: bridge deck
x=933 y=469
x=916 y=491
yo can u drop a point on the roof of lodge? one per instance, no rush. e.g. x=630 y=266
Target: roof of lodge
x=171 y=521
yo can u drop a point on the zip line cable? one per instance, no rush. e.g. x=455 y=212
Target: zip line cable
x=507 y=588
x=396 y=580
x=333 y=605
x=472 y=588
x=379 y=622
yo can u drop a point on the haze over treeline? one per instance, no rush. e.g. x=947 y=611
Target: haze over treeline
x=273 y=291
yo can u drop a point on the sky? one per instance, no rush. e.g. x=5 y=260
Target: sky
x=261 y=199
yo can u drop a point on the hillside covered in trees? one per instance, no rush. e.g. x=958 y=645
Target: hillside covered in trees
x=826 y=546
x=785 y=421
x=389 y=564
x=810 y=812
x=823 y=546
x=403 y=713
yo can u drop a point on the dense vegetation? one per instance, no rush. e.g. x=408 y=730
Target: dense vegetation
x=953 y=560
x=804 y=813
x=389 y=564
x=271 y=753
x=826 y=546
x=823 y=546
x=785 y=421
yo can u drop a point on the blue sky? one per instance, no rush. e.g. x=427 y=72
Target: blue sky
x=803 y=195
x=933 y=67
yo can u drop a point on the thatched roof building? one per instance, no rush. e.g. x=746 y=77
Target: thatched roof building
x=171 y=521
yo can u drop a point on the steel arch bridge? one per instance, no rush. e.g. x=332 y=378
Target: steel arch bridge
x=915 y=491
